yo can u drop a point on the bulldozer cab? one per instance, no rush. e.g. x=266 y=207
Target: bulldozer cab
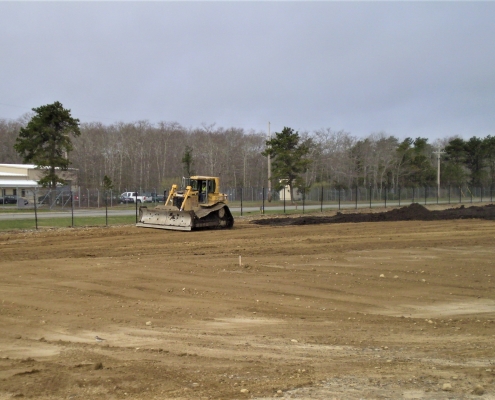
x=203 y=186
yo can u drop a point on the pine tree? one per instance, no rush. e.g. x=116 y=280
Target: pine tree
x=289 y=158
x=46 y=142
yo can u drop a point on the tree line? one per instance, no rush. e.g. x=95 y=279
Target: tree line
x=145 y=156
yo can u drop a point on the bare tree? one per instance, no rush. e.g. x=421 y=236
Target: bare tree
x=9 y=130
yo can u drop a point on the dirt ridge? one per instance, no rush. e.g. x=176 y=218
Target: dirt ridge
x=413 y=212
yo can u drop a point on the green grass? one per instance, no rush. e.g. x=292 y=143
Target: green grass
x=288 y=211
x=79 y=221
x=64 y=222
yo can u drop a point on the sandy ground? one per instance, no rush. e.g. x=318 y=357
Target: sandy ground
x=383 y=310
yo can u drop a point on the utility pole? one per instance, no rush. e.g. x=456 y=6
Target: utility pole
x=438 y=153
x=269 y=169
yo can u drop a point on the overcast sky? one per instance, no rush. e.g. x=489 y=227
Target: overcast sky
x=405 y=68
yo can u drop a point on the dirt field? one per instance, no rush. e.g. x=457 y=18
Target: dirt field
x=383 y=310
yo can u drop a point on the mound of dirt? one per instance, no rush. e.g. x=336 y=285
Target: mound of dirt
x=413 y=212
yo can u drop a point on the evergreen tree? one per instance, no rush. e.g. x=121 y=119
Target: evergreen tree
x=187 y=161
x=289 y=158
x=475 y=153
x=414 y=162
x=46 y=142
x=454 y=171
x=107 y=183
x=489 y=145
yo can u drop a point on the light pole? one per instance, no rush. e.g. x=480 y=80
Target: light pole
x=269 y=169
x=438 y=153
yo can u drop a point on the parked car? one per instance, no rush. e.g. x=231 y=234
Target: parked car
x=126 y=200
x=134 y=195
x=158 y=198
x=44 y=199
x=148 y=197
x=11 y=199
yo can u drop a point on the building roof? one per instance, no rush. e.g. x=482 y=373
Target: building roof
x=10 y=174
x=17 y=183
x=27 y=166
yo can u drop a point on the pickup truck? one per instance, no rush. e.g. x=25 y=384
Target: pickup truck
x=135 y=196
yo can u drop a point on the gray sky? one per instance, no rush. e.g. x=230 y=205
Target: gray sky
x=406 y=68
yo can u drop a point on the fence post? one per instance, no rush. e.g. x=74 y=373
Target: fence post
x=321 y=200
x=135 y=200
x=35 y=210
x=106 y=208
x=241 y=202
x=263 y=204
x=72 y=209
x=304 y=197
x=284 y=198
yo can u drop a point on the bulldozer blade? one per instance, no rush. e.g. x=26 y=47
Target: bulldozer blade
x=165 y=219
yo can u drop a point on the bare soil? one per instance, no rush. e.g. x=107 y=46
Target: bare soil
x=373 y=310
x=413 y=212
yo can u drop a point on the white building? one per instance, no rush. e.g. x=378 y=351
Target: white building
x=285 y=194
x=22 y=179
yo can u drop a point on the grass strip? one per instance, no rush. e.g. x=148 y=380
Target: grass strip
x=64 y=222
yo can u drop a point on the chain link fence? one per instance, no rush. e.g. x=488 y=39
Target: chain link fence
x=64 y=198
x=366 y=195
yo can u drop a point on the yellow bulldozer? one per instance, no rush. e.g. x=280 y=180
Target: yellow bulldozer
x=198 y=204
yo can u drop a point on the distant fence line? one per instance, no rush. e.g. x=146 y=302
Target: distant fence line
x=251 y=199
x=365 y=194
x=96 y=198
